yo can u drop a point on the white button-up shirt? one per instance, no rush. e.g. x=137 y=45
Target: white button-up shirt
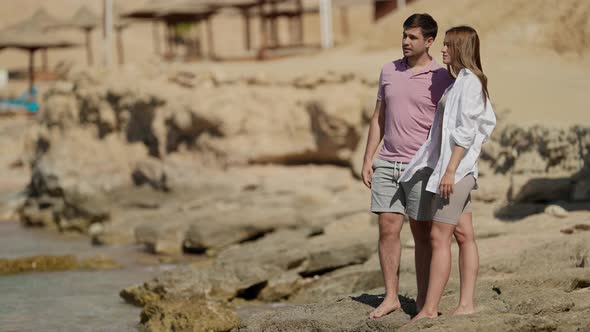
x=466 y=121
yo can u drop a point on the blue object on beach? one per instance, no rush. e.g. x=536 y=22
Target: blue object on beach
x=27 y=101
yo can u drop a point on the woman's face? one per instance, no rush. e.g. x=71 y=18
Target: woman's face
x=447 y=60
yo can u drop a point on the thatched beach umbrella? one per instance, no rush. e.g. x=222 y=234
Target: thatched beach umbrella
x=120 y=24
x=171 y=12
x=85 y=20
x=31 y=40
x=193 y=11
x=41 y=21
x=150 y=11
x=267 y=12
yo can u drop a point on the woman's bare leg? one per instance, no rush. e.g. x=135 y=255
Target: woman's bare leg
x=422 y=258
x=468 y=264
x=440 y=268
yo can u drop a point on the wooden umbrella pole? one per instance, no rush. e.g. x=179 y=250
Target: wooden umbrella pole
x=156 y=37
x=291 y=30
x=87 y=32
x=167 y=38
x=210 y=37
x=263 y=35
x=344 y=22
x=44 y=65
x=273 y=24
x=31 y=69
x=246 y=15
x=300 y=18
x=176 y=35
x=196 y=40
x=120 y=46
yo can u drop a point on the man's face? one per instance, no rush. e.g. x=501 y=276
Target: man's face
x=414 y=43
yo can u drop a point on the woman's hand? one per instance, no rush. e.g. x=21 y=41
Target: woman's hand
x=447 y=184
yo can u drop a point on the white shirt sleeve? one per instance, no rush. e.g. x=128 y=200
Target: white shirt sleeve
x=470 y=107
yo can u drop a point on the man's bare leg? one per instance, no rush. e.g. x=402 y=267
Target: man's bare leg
x=468 y=264
x=422 y=257
x=390 y=226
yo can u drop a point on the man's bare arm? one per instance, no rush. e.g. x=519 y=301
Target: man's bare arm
x=376 y=132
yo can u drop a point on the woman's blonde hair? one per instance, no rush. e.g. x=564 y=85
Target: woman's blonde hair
x=463 y=45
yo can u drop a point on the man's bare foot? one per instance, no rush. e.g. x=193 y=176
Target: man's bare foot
x=423 y=314
x=464 y=310
x=386 y=307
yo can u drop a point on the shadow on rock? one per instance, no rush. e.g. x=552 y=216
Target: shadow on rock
x=374 y=300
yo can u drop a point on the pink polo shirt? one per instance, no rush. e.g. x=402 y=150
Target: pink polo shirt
x=410 y=102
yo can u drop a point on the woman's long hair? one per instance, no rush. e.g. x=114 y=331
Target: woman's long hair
x=463 y=46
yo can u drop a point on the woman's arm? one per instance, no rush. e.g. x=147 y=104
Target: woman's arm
x=470 y=108
x=447 y=182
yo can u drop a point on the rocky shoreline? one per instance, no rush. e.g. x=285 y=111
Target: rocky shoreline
x=261 y=177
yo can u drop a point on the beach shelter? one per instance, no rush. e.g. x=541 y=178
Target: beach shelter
x=172 y=12
x=84 y=19
x=120 y=23
x=30 y=39
x=268 y=12
x=41 y=20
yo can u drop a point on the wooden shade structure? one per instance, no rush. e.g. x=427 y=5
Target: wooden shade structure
x=85 y=20
x=40 y=21
x=31 y=40
x=268 y=12
x=173 y=12
x=120 y=23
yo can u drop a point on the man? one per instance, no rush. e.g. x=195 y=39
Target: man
x=409 y=90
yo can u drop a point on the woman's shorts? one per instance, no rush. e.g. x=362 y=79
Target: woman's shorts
x=449 y=210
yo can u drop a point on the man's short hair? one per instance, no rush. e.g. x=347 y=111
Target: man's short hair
x=423 y=21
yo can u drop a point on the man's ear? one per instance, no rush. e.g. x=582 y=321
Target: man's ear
x=429 y=41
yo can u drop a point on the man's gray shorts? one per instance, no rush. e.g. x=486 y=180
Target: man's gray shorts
x=388 y=195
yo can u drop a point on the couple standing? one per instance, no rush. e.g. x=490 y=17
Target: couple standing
x=433 y=122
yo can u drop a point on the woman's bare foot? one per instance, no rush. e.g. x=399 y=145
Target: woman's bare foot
x=464 y=310
x=386 y=307
x=423 y=314
x=419 y=306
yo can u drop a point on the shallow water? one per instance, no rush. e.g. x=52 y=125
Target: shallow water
x=67 y=301
x=71 y=300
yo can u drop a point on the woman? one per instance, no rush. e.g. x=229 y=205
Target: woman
x=463 y=121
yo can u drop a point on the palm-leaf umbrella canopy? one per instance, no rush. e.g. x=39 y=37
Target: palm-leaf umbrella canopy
x=160 y=9
x=172 y=12
x=119 y=21
x=31 y=39
x=149 y=10
x=40 y=20
x=243 y=3
x=83 y=18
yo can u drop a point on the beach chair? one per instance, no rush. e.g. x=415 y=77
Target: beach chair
x=27 y=101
